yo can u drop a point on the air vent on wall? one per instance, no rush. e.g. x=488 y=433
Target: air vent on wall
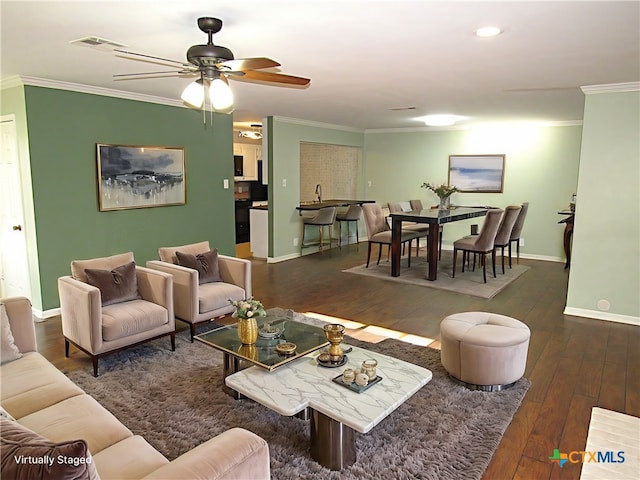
x=97 y=43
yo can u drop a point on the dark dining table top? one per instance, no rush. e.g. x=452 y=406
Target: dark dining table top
x=433 y=215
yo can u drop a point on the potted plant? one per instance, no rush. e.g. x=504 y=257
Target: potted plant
x=443 y=191
x=246 y=312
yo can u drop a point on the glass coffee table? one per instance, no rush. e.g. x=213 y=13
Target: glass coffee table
x=307 y=339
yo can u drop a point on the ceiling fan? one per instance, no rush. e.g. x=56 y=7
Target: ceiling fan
x=214 y=64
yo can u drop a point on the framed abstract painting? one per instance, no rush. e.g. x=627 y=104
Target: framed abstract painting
x=477 y=173
x=132 y=176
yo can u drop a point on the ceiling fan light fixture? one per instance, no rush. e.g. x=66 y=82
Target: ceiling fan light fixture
x=255 y=133
x=221 y=96
x=193 y=95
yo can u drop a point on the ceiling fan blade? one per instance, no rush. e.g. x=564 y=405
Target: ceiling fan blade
x=151 y=73
x=270 y=78
x=126 y=52
x=241 y=64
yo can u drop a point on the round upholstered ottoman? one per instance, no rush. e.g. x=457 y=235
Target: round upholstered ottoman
x=483 y=350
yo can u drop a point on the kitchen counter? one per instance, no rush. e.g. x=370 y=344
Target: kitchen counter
x=259 y=232
x=308 y=206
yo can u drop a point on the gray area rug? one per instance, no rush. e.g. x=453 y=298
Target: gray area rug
x=469 y=282
x=175 y=401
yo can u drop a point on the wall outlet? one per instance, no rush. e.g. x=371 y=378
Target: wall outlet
x=295 y=241
x=284 y=183
x=369 y=183
x=522 y=241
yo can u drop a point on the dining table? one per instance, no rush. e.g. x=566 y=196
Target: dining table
x=434 y=218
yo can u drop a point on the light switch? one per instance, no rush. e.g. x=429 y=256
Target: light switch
x=225 y=183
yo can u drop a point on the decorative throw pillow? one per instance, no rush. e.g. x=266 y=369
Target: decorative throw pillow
x=117 y=285
x=27 y=455
x=205 y=263
x=8 y=350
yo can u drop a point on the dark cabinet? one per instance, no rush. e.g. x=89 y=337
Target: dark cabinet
x=242 y=220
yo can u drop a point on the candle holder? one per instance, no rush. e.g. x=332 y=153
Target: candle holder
x=335 y=333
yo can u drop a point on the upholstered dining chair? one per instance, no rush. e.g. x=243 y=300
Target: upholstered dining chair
x=480 y=244
x=353 y=214
x=422 y=228
x=203 y=281
x=417 y=205
x=517 y=231
x=379 y=232
x=325 y=217
x=504 y=231
x=109 y=304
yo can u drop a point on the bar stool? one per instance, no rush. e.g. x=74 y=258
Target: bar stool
x=353 y=214
x=324 y=218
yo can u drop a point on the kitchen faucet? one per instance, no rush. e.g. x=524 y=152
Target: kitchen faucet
x=319 y=192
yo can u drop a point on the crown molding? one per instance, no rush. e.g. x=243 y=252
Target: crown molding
x=611 y=88
x=425 y=129
x=19 y=80
x=310 y=123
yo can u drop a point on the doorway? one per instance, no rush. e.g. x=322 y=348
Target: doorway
x=14 y=265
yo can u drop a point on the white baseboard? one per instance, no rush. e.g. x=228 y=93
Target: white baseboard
x=283 y=258
x=529 y=256
x=42 y=315
x=598 y=315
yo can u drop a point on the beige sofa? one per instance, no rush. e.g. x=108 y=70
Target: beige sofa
x=45 y=401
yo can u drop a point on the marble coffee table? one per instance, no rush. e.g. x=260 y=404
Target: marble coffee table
x=304 y=387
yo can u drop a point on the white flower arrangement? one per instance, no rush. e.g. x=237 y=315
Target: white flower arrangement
x=248 y=308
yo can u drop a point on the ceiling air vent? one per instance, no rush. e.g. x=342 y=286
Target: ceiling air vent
x=98 y=43
x=399 y=109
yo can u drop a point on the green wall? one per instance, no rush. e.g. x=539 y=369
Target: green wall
x=541 y=167
x=605 y=267
x=284 y=164
x=63 y=129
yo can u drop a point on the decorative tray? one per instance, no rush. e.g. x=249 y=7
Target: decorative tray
x=286 y=348
x=273 y=333
x=354 y=387
x=329 y=363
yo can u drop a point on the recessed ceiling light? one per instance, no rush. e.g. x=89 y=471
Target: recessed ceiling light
x=488 y=32
x=440 y=120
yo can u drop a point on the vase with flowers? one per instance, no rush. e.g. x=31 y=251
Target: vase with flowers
x=246 y=312
x=443 y=191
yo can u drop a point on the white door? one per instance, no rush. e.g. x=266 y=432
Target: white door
x=14 y=273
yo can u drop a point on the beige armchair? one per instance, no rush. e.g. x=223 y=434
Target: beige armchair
x=98 y=326
x=197 y=302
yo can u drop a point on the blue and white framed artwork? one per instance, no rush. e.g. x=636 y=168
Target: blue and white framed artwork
x=131 y=176
x=477 y=173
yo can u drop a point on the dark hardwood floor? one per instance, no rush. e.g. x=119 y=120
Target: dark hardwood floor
x=573 y=363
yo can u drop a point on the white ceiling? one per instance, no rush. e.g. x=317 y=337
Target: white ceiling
x=364 y=58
